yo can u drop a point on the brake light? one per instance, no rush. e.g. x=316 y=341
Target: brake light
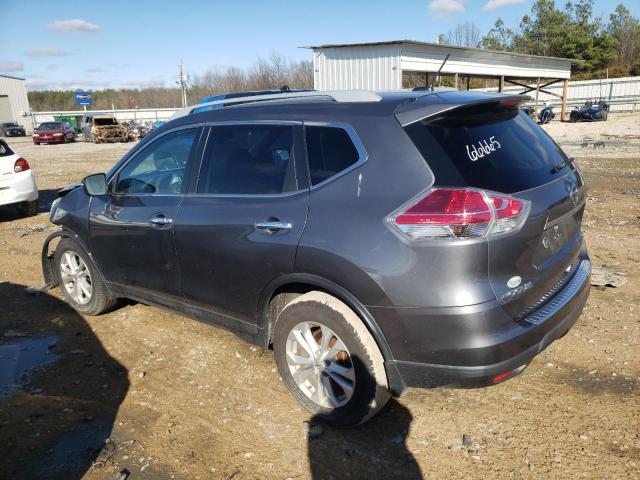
x=21 y=165
x=459 y=213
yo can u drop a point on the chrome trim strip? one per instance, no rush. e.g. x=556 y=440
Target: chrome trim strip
x=564 y=216
x=564 y=297
x=223 y=123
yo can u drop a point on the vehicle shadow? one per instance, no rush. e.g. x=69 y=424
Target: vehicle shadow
x=9 y=213
x=46 y=198
x=60 y=390
x=376 y=449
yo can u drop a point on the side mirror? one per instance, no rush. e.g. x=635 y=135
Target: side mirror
x=95 y=184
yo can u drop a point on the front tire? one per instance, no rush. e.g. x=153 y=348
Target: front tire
x=80 y=281
x=329 y=361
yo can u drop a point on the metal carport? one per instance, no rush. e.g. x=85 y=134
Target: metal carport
x=380 y=66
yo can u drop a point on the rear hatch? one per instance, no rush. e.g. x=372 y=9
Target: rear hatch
x=492 y=146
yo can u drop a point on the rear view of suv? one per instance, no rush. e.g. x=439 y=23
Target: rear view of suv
x=374 y=241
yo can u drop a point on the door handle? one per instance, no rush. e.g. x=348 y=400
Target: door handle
x=160 y=220
x=273 y=226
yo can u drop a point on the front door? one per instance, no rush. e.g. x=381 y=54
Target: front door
x=241 y=228
x=132 y=227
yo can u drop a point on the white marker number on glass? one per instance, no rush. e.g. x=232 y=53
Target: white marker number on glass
x=484 y=147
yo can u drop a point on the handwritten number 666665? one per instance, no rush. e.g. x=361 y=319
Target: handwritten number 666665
x=484 y=148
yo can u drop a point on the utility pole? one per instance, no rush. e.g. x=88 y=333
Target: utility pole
x=182 y=81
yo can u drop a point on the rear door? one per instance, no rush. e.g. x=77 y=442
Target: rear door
x=241 y=226
x=132 y=227
x=498 y=149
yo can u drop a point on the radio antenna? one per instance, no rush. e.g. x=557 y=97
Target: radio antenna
x=435 y=79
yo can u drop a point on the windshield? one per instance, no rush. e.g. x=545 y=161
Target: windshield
x=10 y=125
x=494 y=149
x=50 y=126
x=105 y=121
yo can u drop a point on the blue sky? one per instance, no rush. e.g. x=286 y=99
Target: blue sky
x=135 y=43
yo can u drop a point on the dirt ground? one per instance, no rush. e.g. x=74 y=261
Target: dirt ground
x=149 y=392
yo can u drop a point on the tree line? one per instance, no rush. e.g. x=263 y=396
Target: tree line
x=273 y=72
x=600 y=48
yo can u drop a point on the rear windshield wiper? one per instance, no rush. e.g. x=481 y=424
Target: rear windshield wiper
x=559 y=167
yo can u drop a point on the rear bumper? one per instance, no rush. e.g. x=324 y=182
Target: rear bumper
x=483 y=344
x=21 y=188
x=49 y=140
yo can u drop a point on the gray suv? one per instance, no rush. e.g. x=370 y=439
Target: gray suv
x=374 y=241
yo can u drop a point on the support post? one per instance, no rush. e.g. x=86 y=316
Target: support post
x=468 y=81
x=455 y=79
x=500 y=84
x=563 y=110
x=537 y=94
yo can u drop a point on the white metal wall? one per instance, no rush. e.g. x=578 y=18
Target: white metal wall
x=16 y=90
x=138 y=114
x=624 y=92
x=375 y=67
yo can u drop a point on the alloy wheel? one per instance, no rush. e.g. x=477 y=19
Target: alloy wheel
x=320 y=364
x=75 y=277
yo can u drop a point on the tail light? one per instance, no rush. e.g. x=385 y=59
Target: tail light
x=459 y=213
x=21 y=165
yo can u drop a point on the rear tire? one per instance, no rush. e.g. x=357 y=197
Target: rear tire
x=79 y=280
x=29 y=209
x=351 y=359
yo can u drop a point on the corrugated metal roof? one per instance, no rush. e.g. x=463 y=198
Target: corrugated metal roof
x=11 y=76
x=429 y=44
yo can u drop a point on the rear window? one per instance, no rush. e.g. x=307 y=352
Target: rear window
x=249 y=160
x=105 y=121
x=330 y=151
x=500 y=150
x=5 y=151
x=50 y=126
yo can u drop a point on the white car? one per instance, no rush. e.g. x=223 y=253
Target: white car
x=17 y=182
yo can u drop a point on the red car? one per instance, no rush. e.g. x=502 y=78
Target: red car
x=54 y=132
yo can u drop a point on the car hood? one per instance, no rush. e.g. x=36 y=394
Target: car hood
x=47 y=132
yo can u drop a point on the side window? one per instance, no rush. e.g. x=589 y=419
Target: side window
x=249 y=159
x=329 y=151
x=160 y=166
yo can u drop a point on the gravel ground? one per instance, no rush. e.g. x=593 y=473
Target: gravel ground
x=149 y=392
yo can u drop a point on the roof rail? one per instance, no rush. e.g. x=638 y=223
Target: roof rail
x=336 y=96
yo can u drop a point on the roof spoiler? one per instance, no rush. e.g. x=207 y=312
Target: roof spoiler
x=439 y=103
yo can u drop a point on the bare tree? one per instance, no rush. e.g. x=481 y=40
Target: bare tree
x=273 y=72
x=464 y=35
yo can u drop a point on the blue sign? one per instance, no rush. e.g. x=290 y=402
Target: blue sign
x=83 y=98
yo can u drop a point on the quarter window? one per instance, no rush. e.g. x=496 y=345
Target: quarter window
x=160 y=167
x=249 y=159
x=330 y=151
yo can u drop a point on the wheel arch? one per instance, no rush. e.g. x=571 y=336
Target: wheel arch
x=296 y=284
x=47 y=256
